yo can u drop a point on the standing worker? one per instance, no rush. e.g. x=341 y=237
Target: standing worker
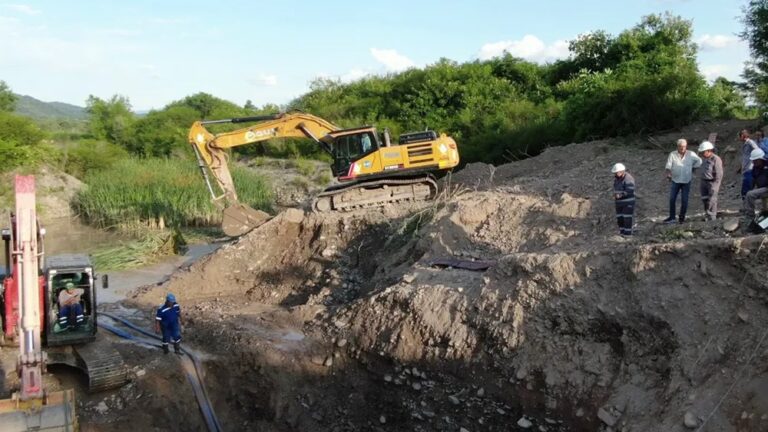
x=711 y=178
x=680 y=166
x=760 y=183
x=624 y=194
x=761 y=141
x=168 y=319
x=745 y=169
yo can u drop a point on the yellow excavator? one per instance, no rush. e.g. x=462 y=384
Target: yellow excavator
x=369 y=168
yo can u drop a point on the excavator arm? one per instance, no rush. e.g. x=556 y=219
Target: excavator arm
x=210 y=150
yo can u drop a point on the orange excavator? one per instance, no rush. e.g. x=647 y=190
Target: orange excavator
x=370 y=169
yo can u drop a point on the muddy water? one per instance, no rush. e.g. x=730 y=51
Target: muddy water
x=68 y=235
x=123 y=282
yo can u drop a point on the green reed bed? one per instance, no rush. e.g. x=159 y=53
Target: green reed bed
x=160 y=192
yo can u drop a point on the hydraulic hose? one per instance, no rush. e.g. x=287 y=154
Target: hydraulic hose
x=195 y=376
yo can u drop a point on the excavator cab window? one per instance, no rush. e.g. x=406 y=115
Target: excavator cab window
x=349 y=148
x=81 y=281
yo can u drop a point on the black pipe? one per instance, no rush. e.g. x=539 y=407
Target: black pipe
x=7 y=241
x=200 y=392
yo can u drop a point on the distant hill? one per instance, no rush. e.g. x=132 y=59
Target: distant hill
x=37 y=109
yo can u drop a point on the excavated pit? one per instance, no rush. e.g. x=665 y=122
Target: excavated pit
x=340 y=323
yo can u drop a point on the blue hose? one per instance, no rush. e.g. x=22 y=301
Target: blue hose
x=194 y=379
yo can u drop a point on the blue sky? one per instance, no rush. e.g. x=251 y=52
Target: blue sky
x=155 y=52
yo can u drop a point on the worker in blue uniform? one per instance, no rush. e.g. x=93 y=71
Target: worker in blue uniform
x=168 y=320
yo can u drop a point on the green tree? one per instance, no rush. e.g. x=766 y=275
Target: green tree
x=756 y=34
x=110 y=120
x=7 y=98
x=163 y=133
x=727 y=99
x=21 y=143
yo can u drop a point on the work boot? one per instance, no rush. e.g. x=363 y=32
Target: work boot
x=177 y=348
x=165 y=348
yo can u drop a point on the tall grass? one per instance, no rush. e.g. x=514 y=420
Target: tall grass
x=160 y=192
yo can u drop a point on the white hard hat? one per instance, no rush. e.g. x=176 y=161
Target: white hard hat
x=756 y=154
x=618 y=167
x=706 y=145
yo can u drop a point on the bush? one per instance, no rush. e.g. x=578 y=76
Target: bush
x=82 y=157
x=21 y=143
x=14 y=155
x=20 y=130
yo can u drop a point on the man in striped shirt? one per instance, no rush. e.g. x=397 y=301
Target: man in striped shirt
x=624 y=195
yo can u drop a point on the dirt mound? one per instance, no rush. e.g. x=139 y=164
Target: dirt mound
x=342 y=322
x=569 y=334
x=55 y=190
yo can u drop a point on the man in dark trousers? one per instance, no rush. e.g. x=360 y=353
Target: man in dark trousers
x=711 y=178
x=624 y=195
x=168 y=319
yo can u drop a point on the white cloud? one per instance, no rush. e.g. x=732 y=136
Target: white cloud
x=391 y=59
x=22 y=8
x=713 y=71
x=529 y=48
x=265 y=80
x=353 y=75
x=713 y=42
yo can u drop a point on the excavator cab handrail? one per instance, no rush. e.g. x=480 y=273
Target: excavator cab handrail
x=243 y=119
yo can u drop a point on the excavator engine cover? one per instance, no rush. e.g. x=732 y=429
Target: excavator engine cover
x=239 y=218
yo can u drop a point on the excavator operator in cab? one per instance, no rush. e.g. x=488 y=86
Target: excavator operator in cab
x=70 y=309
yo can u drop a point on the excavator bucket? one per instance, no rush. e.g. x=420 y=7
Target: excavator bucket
x=55 y=413
x=240 y=218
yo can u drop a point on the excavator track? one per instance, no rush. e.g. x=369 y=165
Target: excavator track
x=375 y=193
x=103 y=365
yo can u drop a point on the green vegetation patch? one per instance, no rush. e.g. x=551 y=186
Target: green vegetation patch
x=160 y=192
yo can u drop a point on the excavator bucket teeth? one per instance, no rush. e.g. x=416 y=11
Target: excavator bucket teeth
x=55 y=413
x=238 y=219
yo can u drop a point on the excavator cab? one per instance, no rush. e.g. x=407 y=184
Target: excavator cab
x=349 y=146
x=60 y=270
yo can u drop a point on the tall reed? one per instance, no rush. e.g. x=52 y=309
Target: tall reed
x=159 y=193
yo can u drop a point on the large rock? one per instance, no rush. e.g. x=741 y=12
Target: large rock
x=731 y=225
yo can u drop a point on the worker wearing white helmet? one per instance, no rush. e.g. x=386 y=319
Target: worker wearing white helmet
x=624 y=195
x=759 y=182
x=711 y=178
x=745 y=169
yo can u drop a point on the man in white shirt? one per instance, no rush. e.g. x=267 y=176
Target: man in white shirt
x=680 y=166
